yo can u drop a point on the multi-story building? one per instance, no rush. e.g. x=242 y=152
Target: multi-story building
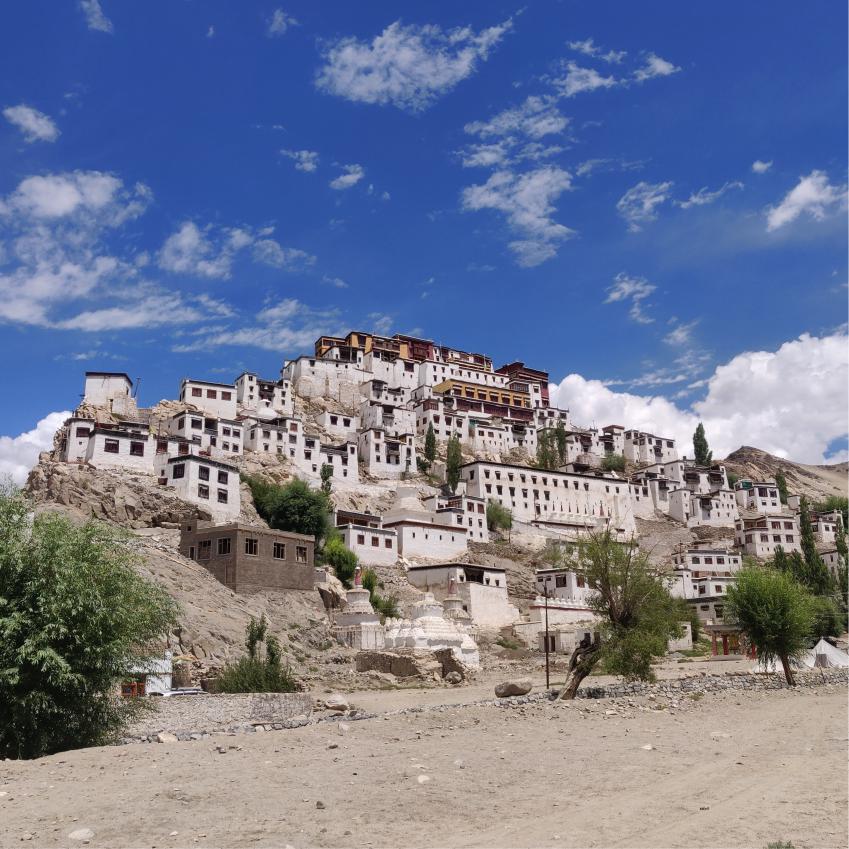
x=250 y=559
x=536 y=380
x=112 y=390
x=216 y=399
x=364 y=534
x=833 y=562
x=209 y=483
x=387 y=456
x=702 y=575
x=220 y=437
x=467 y=512
x=640 y=447
x=568 y=502
x=760 y=534
x=826 y=527
x=757 y=496
x=254 y=394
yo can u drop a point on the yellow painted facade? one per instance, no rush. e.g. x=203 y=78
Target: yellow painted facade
x=488 y=394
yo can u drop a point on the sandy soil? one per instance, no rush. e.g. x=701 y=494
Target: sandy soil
x=729 y=769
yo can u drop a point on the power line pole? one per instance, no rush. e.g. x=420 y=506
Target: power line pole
x=546 y=640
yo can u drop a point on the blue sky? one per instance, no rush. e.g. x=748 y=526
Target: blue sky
x=636 y=195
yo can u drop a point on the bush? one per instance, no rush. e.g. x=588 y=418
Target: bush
x=498 y=517
x=75 y=621
x=292 y=507
x=262 y=670
x=386 y=606
x=341 y=558
x=613 y=463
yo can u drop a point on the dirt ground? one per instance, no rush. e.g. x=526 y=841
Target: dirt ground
x=732 y=769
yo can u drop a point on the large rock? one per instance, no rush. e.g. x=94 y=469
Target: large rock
x=336 y=702
x=514 y=687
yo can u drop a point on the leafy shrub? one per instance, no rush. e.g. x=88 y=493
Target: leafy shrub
x=292 y=507
x=613 y=463
x=76 y=620
x=341 y=558
x=498 y=517
x=261 y=670
x=386 y=606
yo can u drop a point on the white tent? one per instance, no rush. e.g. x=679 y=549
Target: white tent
x=823 y=654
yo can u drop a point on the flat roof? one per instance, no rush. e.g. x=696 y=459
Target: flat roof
x=537 y=471
x=181 y=458
x=241 y=526
x=207 y=382
x=109 y=374
x=455 y=566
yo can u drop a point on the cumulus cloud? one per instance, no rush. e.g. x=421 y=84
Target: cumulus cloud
x=279 y=22
x=578 y=80
x=791 y=402
x=94 y=17
x=589 y=48
x=655 y=67
x=352 y=174
x=813 y=195
x=703 y=196
x=638 y=206
x=18 y=454
x=761 y=167
x=406 y=66
x=35 y=125
x=633 y=289
x=527 y=200
x=305 y=160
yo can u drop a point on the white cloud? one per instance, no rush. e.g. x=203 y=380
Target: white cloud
x=578 y=80
x=655 y=67
x=590 y=166
x=336 y=282
x=761 y=167
x=380 y=322
x=18 y=454
x=813 y=195
x=94 y=17
x=681 y=333
x=279 y=22
x=791 y=402
x=271 y=252
x=287 y=326
x=589 y=48
x=190 y=251
x=633 y=289
x=210 y=33
x=535 y=118
x=35 y=125
x=639 y=204
x=305 y=160
x=527 y=200
x=703 y=197
x=407 y=66
x=351 y=176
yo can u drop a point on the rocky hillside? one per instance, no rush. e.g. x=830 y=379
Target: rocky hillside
x=816 y=482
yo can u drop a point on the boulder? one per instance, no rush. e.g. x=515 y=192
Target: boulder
x=514 y=687
x=336 y=702
x=453 y=678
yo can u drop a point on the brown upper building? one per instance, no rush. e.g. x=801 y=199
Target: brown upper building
x=250 y=559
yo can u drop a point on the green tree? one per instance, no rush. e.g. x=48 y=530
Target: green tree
x=637 y=615
x=292 y=507
x=453 y=461
x=326 y=472
x=261 y=670
x=817 y=577
x=76 y=619
x=560 y=437
x=547 y=454
x=498 y=517
x=613 y=463
x=341 y=558
x=774 y=611
x=781 y=483
x=701 y=453
x=835 y=503
x=430 y=445
x=386 y=606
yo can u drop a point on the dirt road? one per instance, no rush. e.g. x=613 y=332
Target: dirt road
x=730 y=769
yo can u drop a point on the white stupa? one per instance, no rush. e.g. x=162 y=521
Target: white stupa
x=358 y=626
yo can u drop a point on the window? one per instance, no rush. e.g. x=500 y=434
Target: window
x=361 y=539
x=203 y=473
x=222 y=496
x=110 y=446
x=137 y=449
x=579 y=580
x=197 y=424
x=387 y=543
x=224 y=545
x=178 y=471
x=203 y=491
x=83 y=431
x=222 y=477
x=251 y=546
x=196 y=392
x=225 y=396
x=279 y=551
x=211 y=393
x=301 y=553
x=204 y=549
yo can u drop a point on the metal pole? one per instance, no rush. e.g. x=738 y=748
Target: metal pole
x=546 y=640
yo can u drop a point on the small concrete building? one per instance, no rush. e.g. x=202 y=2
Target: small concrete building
x=760 y=534
x=111 y=447
x=113 y=390
x=387 y=456
x=250 y=559
x=216 y=399
x=757 y=496
x=209 y=483
x=364 y=534
x=463 y=511
x=483 y=590
x=644 y=448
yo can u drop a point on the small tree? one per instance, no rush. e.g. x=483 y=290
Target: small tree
x=498 y=517
x=547 y=455
x=292 y=507
x=817 y=577
x=701 y=453
x=637 y=616
x=262 y=670
x=613 y=463
x=560 y=439
x=326 y=473
x=774 y=611
x=781 y=483
x=453 y=461
x=430 y=445
x=76 y=619
x=386 y=606
x=341 y=558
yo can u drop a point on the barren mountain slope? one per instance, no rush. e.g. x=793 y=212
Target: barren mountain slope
x=816 y=482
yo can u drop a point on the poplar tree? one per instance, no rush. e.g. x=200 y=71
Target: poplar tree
x=560 y=436
x=701 y=453
x=430 y=445
x=781 y=483
x=453 y=461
